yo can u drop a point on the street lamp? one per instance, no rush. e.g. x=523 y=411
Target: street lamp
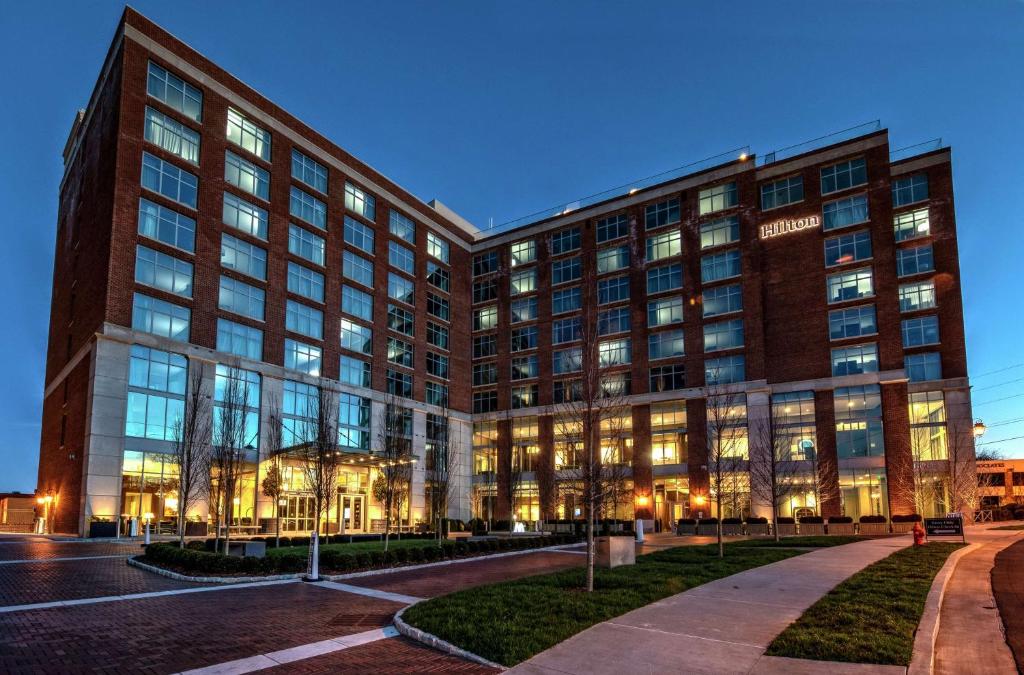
x=979 y=429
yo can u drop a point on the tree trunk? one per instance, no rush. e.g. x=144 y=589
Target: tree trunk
x=775 y=521
x=277 y=522
x=718 y=501
x=227 y=524
x=181 y=528
x=590 y=542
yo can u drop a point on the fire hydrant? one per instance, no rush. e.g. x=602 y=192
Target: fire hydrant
x=918 y=535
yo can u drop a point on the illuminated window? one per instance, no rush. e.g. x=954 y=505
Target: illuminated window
x=664 y=245
x=524 y=252
x=718 y=198
x=244 y=216
x=172 y=136
x=244 y=133
x=175 y=92
x=246 y=176
x=612 y=259
x=360 y=202
x=664 y=311
x=917 y=296
x=845 y=212
x=720 y=231
x=858 y=412
x=850 y=285
x=665 y=345
x=911 y=224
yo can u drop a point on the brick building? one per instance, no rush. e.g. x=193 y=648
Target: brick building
x=204 y=229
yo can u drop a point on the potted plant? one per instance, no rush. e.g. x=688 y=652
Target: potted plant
x=903 y=523
x=812 y=525
x=873 y=525
x=840 y=525
x=757 y=526
x=787 y=526
x=686 y=527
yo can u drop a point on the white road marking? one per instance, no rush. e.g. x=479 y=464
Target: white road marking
x=139 y=596
x=370 y=592
x=253 y=663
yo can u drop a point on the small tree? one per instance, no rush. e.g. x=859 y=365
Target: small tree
x=445 y=462
x=962 y=468
x=273 y=481
x=513 y=469
x=191 y=449
x=395 y=471
x=725 y=414
x=230 y=443
x=320 y=455
x=774 y=476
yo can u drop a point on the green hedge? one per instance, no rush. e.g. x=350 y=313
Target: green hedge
x=193 y=561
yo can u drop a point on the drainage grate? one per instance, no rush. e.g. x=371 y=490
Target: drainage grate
x=373 y=619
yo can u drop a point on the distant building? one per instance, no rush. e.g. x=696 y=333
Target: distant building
x=201 y=225
x=17 y=512
x=1000 y=482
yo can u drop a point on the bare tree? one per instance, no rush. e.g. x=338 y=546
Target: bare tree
x=547 y=487
x=230 y=443
x=725 y=414
x=774 y=475
x=394 y=450
x=321 y=458
x=272 y=449
x=512 y=463
x=444 y=467
x=191 y=449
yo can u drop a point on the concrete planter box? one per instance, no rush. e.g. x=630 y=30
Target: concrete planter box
x=732 y=529
x=246 y=548
x=812 y=529
x=902 y=528
x=841 y=528
x=615 y=551
x=757 y=529
x=708 y=530
x=873 y=528
x=687 y=530
x=786 y=529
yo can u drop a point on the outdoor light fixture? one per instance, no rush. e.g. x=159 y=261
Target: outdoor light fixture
x=743 y=156
x=700 y=499
x=642 y=500
x=236 y=501
x=979 y=429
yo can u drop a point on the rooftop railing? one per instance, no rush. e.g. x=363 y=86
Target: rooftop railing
x=916 y=149
x=820 y=142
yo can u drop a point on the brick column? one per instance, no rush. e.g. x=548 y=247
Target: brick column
x=643 y=471
x=696 y=454
x=828 y=460
x=501 y=507
x=899 y=461
x=546 y=466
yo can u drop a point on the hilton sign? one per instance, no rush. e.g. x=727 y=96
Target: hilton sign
x=791 y=225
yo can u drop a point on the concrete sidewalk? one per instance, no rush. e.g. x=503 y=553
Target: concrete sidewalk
x=721 y=627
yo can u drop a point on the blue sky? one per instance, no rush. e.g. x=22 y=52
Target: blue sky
x=502 y=110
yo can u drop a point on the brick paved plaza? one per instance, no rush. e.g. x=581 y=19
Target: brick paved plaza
x=63 y=610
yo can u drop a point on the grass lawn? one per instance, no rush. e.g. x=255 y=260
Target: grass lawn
x=509 y=622
x=357 y=546
x=816 y=541
x=871 y=617
x=1009 y=527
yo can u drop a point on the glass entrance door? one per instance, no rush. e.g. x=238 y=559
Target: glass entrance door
x=351 y=512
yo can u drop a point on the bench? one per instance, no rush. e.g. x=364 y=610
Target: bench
x=453 y=536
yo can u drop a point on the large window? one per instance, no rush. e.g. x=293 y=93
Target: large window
x=356 y=302
x=160 y=317
x=485 y=291
x=847 y=248
x=565 y=241
x=662 y=213
x=855 y=360
x=795 y=427
x=850 y=285
x=400 y=352
x=354 y=371
x=912 y=224
x=667 y=378
x=612 y=290
x=719 y=231
x=665 y=345
x=781 y=192
x=611 y=321
x=914 y=260
x=305 y=282
x=438 y=277
x=243 y=257
x=723 y=335
x=563 y=271
x=302 y=357
x=565 y=330
x=309 y=171
x=523 y=252
x=359 y=235
x=485 y=318
x=612 y=259
x=664 y=311
x=175 y=92
x=720 y=300
x=437 y=247
x=852 y=322
x=485 y=401
x=917 y=296
x=156 y=393
x=241 y=298
x=668 y=432
x=845 y=212
x=298 y=412
x=356 y=338
x=305 y=244
x=303 y=205
x=923 y=367
x=401 y=320
x=361 y=202
x=843 y=176
x=485 y=374
x=357 y=268
x=242 y=387
x=401 y=289
x=485 y=263
x=239 y=339
x=725 y=369
x=718 y=198
x=909 y=190
x=612 y=227
x=172 y=136
x=858 y=412
x=244 y=216
x=437 y=365
x=435 y=393
x=162 y=271
x=566 y=300
x=401 y=258
x=567 y=360
x=719 y=266
x=162 y=224
x=523 y=281
x=927 y=426
x=353 y=422
x=667 y=278
x=246 y=176
x=305 y=320
x=168 y=180
x=664 y=245
x=919 y=331
x=438 y=307
x=524 y=309
x=399 y=383
x=524 y=367
x=484 y=346
x=401 y=226
x=437 y=335
x=614 y=352
x=245 y=134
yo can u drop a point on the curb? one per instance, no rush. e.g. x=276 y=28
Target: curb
x=134 y=562
x=437 y=643
x=922 y=660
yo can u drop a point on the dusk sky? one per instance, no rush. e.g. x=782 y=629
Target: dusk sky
x=502 y=110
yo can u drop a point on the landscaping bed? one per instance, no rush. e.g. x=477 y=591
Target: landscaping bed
x=511 y=621
x=336 y=558
x=872 y=616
